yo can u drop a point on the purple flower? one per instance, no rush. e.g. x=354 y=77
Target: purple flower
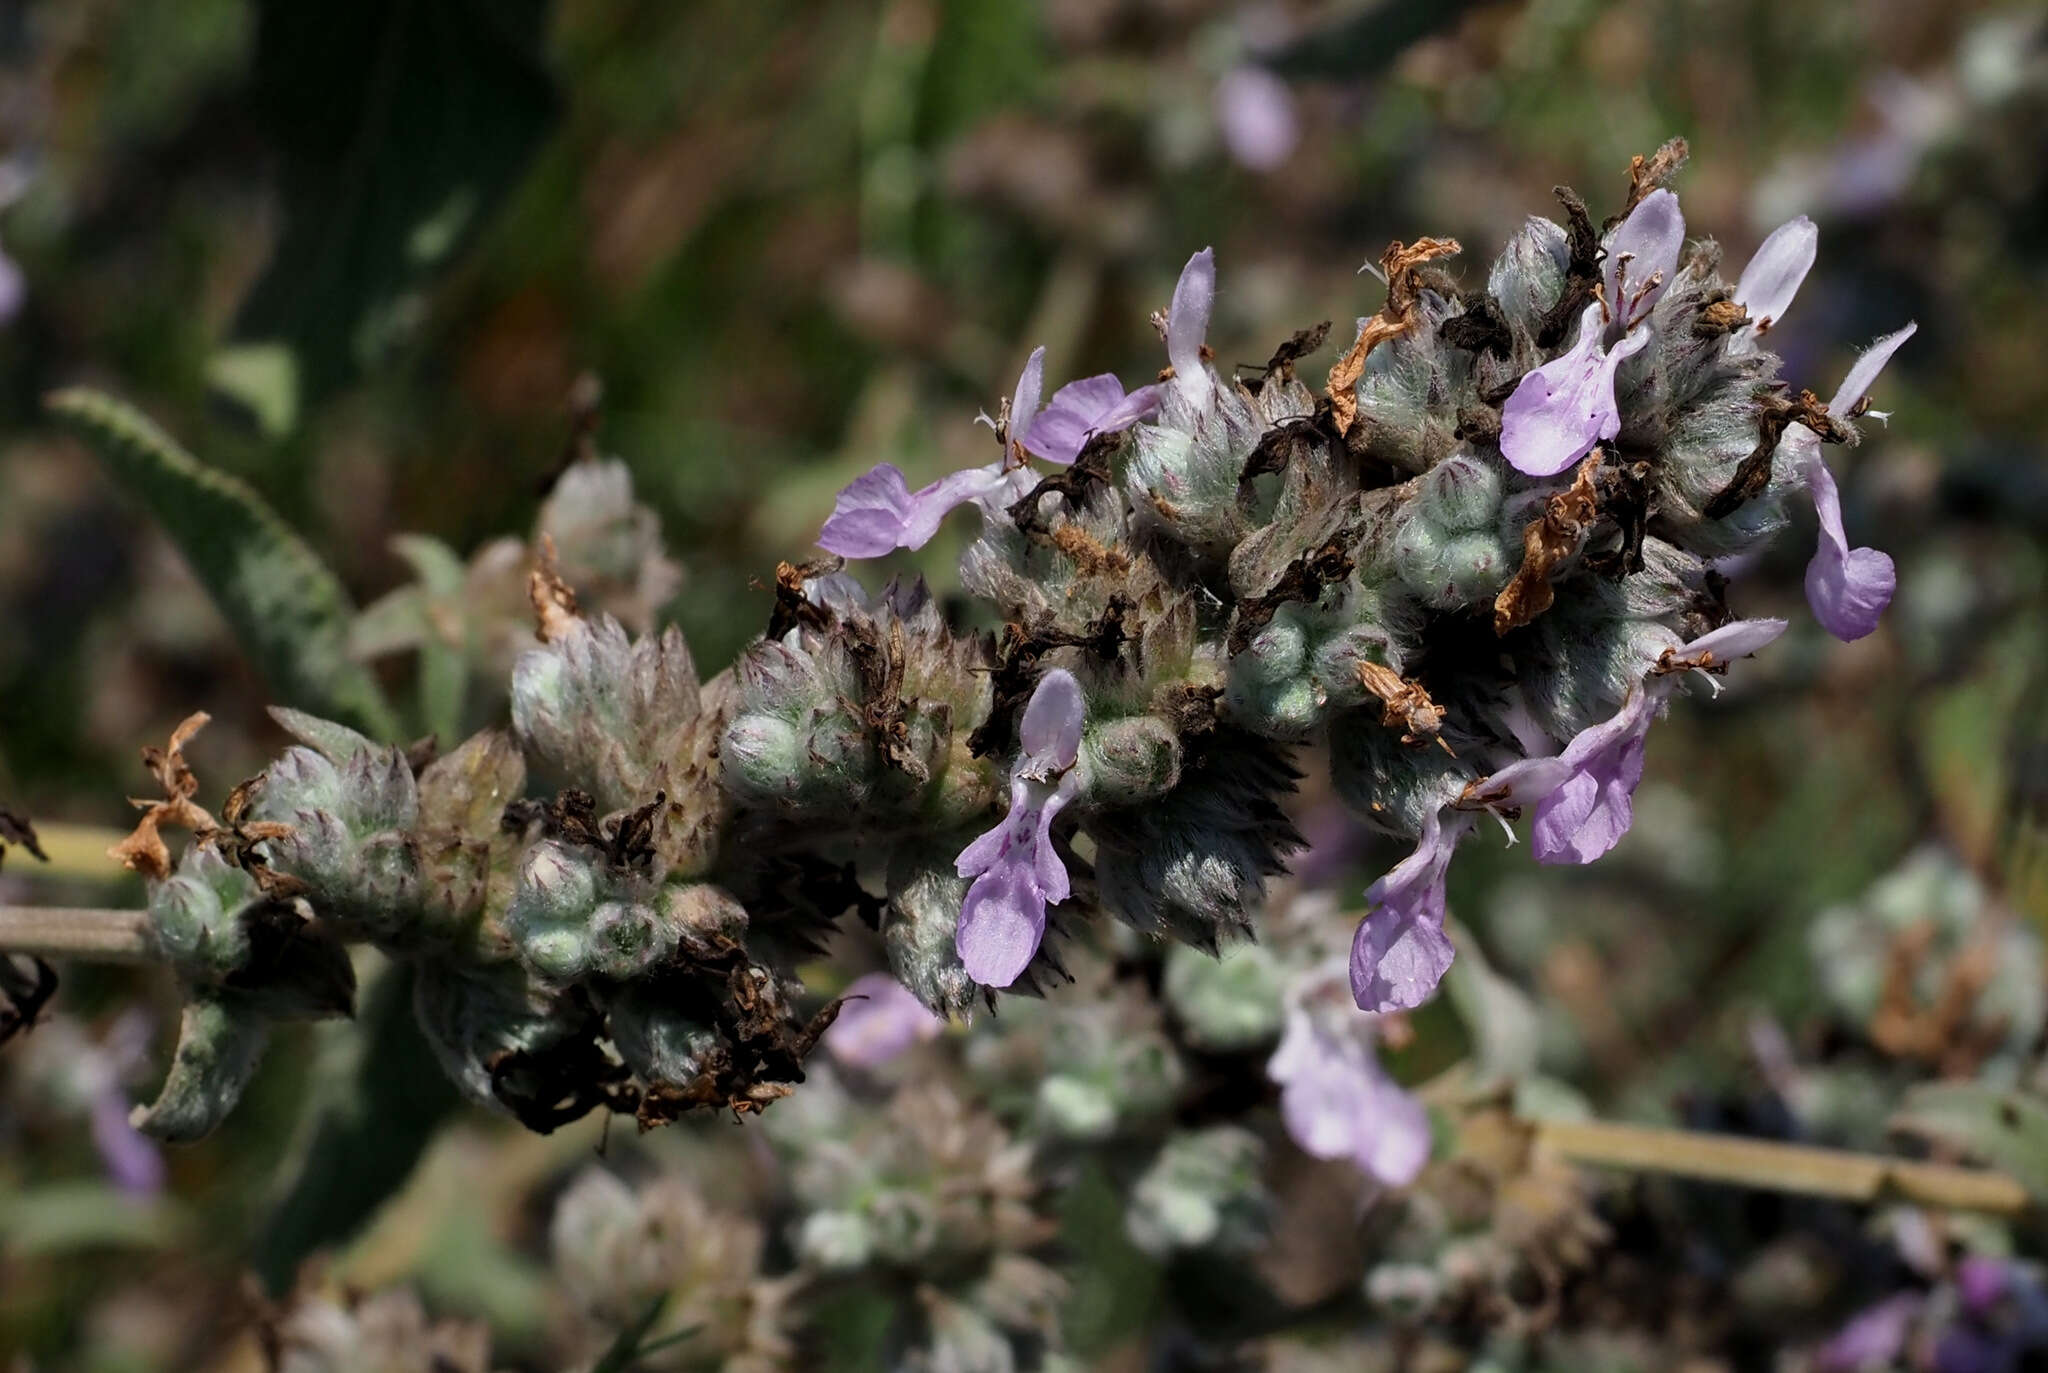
x=1561 y=409
x=1873 y=1339
x=1187 y=328
x=132 y=1160
x=1848 y=588
x=1642 y=257
x=878 y=1019
x=878 y=512
x=1773 y=276
x=1082 y=409
x=1016 y=870
x=1400 y=951
x=1595 y=804
x=1981 y=1282
x=1335 y=1098
x=1585 y=797
x=1255 y=111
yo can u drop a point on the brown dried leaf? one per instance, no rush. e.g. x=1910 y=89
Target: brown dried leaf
x=144 y=851
x=15 y=828
x=554 y=604
x=1400 y=263
x=1555 y=535
x=1407 y=706
x=1646 y=174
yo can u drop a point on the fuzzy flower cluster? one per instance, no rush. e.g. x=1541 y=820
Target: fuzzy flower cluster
x=1473 y=567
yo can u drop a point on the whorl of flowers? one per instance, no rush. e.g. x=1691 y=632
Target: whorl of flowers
x=1474 y=567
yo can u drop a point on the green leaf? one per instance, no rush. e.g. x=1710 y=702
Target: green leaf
x=380 y=1099
x=220 y=1042
x=64 y=1217
x=398 y=125
x=1505 y=1028
x=289 y=611
x=626 y=1350
x=2006 y=1129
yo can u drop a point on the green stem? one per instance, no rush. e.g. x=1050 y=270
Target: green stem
x=92 y=935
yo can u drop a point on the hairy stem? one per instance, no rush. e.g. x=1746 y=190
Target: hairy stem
x=1781 y=1167
x=95 y=935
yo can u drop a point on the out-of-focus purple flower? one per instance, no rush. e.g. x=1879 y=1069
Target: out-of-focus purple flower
x=132 y=1161
x=1187 y=328
x=1561 y=409
x=1082 y=409
x=1982 y=1282
x=1255 y=111
x=1400 y=952
x=1335 y=1098
x=877 y=512
x=1873 y=1339
x=878 y=1019
x=1016 y=870
x=1774 y=275
x=16 y=175
x=1847 y=587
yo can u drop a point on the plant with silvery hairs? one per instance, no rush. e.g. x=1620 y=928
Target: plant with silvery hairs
x=1473 y=567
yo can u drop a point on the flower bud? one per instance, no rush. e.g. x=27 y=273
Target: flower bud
x=902 y=1225
x=1075 y=1109
x=925 y=894
x=763 y=759
x=1390 y=785
x=1476 y=568
x=1203 y=1191
x=1226 y=1003
x=1418 y=556
x=626 y=939
x=656 y=1041
x=1463 y=492
x=835 y=1241
x=1131 y=761
x=1528 y=276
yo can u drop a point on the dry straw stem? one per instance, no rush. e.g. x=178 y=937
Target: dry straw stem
x=98 y=936
x=1781 y=1167
x=76 y=852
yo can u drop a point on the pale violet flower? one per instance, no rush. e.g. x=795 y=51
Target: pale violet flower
x=878 y=513
x=1584 y=809
x=1561 y=409
x=1016 y=870
x=1773 y=277
x=879 y=1018
x=1848 y=588
x=1400 y=952
x=1255 y=112
x=1336 y=1101
x=1082 y=409
x=1872 y=1339
x=1187 y=329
